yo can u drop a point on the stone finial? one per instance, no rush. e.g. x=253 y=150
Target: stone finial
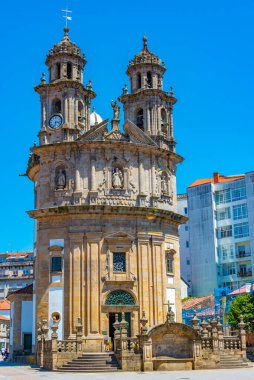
x=116 y=323
x=43 y=79
x=66 y=32
x=195 y=321
x=204 y=324
x=123 y=324
x=44 y=327
x=145 y=40
x=143 y=322
x=241 y=324
x=125 y=89
x=54 y=329
x=171 y=92
x=219 y=325
x=89 y=86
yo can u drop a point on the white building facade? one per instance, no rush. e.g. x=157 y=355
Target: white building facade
x=185 y=261
x=221 y=233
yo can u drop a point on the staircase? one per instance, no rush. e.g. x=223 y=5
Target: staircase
x=92 y=362
x=228 y=361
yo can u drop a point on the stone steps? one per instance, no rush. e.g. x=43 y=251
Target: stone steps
x=227 y=361
x=94 y=362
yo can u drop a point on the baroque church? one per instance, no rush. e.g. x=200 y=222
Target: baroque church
x=105 y=212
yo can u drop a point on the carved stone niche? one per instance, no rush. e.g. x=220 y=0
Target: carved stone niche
x=117 y=176
x=119 y=242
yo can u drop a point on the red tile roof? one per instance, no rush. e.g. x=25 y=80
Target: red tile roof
x=242 y=290
x=217 y=178
x=198 y=302
x=26 y=290
x=5 y=305
x=16 y=254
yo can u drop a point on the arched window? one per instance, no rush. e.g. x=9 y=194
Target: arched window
x=120 y=297
x=56 y=106
x=69 y=70
x=140 y=118
x=58 y=71
x=163 y=120
x=138 y=80
x=79 y=73
x=149 y=80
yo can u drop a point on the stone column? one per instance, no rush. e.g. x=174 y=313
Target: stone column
x=147 y=354
x=93 y=284
x=148 y=120
x=44 y=113
x=93 y=174
x=159 y=275
x=54 y=350
x=76 y=280
x=141 y=175
x=242 y=336
x=154 y=81
x=76 y=112
x=65 y=110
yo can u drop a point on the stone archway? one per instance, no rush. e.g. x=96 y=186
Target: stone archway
x=174 y=340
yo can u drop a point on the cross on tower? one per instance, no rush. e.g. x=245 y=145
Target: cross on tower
x=67 y=16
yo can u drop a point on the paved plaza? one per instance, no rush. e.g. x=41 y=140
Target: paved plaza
x=11 y=372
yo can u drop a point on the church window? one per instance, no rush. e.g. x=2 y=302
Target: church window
x=58 y=71
x=56 y=106
x=140 y=118
x=170 y=265
x=56 y=264
x=119 y=262
x=138 y=80
x=69 y=70
x=120 y=297
x=149 y=80
x=170 y=261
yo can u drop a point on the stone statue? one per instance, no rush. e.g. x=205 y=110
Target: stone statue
x=117 y=179
x=116 y=110
x=164 y=185
x=61 y=180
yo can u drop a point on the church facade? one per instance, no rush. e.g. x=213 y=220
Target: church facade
x=105 y=201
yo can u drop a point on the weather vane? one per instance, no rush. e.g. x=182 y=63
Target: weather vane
x=67 y=15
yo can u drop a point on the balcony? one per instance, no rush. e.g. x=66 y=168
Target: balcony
x=242 y=254
x=245 y=274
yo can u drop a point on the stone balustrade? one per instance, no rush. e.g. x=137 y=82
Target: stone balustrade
x=163 y=347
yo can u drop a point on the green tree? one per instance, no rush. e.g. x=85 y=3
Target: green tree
x=242 y=305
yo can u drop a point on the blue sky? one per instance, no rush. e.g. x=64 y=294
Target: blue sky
x=208 y=50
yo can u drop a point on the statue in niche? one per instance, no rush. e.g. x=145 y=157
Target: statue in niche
x=117 y=179
x=116 y=110
x=61 y=179
x=164 y=184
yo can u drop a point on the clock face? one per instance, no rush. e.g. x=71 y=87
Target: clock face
x=55 y=121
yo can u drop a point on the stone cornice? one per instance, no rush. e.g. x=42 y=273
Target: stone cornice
x=147 y=92
x=62 y=84
x=102 y=210
x=44 y=150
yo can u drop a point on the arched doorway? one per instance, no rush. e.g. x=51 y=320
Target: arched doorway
x=116 y=300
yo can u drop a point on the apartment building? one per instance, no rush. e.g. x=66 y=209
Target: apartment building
x=16 y=271
x=221 y=233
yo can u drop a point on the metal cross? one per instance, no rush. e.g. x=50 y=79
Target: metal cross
x=67 y=15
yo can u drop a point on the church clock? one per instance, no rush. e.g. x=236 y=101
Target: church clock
x=55 y=121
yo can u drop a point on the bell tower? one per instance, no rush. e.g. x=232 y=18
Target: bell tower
x=65 y=102
x=148 y=105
